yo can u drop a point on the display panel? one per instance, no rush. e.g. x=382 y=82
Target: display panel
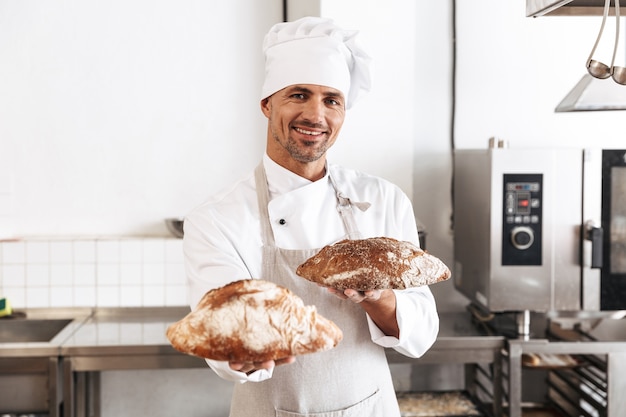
x=522 y=219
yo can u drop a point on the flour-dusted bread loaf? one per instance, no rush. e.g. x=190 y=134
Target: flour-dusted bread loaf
x=371 y=264
x=252 y=321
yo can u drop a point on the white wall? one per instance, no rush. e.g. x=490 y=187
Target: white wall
x=378 y=135
x=117 y=114
x=514 y=70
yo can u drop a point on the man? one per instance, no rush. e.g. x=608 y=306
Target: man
x=294 y=203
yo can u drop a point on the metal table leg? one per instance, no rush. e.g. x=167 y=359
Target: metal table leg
x=515 y=379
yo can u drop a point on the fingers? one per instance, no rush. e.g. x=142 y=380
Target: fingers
x=357 y=296
x=337 y=293
x=248 y=367
x=373 y=295
x=285 y=361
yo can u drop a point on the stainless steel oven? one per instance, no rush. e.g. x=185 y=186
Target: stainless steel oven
x=541 y=229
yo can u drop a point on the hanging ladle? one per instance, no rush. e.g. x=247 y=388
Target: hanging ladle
x=598 y=69
x=618 y=73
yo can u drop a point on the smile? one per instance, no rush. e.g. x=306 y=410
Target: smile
x=307 y=132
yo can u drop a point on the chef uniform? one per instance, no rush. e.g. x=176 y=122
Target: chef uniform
x=264 y=227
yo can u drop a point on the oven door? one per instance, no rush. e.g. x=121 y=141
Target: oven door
x=604 y=230
x=613 y=275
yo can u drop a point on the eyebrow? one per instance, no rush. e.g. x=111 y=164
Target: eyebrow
x=299 y=89
x=326 y=93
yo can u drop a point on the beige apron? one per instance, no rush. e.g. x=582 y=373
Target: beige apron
x=351 y=380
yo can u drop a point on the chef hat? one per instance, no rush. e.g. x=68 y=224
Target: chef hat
x=313 y=50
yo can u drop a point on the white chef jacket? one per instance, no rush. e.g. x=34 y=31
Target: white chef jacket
x=222 y=242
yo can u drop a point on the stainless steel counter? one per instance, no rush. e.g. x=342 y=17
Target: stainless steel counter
x=120 y=331
x=115 y=331
x=123 y=331
x=459 y=341
x=29 y=370
x=124 y=339
x=75 y=317
x=117 y=339
x=134 y=338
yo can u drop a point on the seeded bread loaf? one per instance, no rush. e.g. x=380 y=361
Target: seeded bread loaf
x=374 y=263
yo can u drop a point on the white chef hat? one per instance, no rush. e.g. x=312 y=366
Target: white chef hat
x=313 y=50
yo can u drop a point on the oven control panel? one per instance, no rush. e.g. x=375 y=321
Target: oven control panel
x=522 y=219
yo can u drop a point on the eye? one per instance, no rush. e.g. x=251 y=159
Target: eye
x=333 y=101
x=298 y=96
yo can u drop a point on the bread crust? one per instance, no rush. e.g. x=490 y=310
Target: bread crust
x=252 y=321
x=374 y=263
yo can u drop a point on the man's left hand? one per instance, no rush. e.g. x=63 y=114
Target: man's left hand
x=379 y=304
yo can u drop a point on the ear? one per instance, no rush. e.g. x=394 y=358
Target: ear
x=266 y=107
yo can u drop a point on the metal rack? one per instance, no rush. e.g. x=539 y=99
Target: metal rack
x=593 y=389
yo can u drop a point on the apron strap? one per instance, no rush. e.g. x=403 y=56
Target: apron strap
x=263 y=198
x=344 y=207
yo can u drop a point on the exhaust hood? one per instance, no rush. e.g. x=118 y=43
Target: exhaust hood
x=590 y=94
x=536 y=8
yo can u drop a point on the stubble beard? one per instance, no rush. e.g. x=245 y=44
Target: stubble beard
x=309 y=152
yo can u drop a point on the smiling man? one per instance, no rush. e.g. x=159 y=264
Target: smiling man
x=292 y=205
x=303 y=123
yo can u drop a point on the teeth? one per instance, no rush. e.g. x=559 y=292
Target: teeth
x=308 y=132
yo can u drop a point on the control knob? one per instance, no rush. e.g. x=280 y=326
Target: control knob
x=522 y=237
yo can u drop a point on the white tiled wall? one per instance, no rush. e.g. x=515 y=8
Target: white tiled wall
x=124 y=272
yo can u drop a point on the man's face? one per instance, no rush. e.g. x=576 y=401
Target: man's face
x=304 y=122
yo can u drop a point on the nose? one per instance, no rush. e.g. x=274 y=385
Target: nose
x=314 y=111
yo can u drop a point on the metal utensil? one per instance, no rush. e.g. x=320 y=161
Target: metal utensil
x=175 y=226
x=617 y=73
x=596 y=68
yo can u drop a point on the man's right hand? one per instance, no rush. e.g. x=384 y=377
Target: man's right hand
x=249 y=367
